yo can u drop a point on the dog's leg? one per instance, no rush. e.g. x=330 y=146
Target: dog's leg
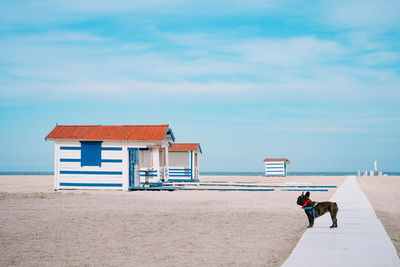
x=333 y=211
x=336 y=211
x=310 y=221
x=333 y=219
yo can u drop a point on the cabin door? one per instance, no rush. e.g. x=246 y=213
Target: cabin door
x=134 y=172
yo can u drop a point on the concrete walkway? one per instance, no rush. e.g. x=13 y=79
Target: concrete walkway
x=359 y=240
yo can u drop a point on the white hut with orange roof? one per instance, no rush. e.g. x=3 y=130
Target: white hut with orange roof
x=276 y=166
x=110 y=157
x=184 y=161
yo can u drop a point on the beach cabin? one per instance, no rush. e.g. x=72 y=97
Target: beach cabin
x=276 y=167
x=184 y=161
x=110 y=157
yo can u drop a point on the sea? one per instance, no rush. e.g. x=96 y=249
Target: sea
x=229 y=173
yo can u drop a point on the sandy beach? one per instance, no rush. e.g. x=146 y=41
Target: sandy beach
x=183 y=228
x=77 y=227
x=382 y=192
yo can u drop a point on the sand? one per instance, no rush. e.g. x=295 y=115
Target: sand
x=40 y=227
x=383 y=194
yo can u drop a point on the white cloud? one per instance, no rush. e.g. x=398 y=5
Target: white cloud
x=287 y=52
x=76 y=64
x=371 y=15
x=41 y=12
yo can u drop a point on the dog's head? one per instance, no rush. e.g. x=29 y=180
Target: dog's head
x=303 y=198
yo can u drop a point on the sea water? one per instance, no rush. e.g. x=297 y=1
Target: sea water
x=221 y=173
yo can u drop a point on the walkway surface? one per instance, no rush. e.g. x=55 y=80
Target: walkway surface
x=359 y=240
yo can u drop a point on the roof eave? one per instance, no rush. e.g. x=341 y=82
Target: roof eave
x=201 y=151
x=83 y=139
x=170 y=132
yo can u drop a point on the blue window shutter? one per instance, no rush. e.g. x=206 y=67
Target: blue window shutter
x=91 y=153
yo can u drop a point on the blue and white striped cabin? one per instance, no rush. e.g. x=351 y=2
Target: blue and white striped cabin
x=110 y=157
x=184 y=161
x=276 y=166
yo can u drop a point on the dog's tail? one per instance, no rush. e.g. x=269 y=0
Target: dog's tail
x=335 y=204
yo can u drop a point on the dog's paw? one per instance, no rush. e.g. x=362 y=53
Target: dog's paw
x=310 y=226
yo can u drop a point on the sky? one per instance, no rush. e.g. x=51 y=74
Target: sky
x=317 y=82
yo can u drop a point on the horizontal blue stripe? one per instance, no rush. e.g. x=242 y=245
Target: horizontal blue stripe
x=226 y=189
x=91 y=184
x=112 y=148
x=320 y=190
x=233 y=185
x=149 y=171
x=103 y=160
x=153 y=188
x=149 y=175
x=308 y=186
x=91 y=172
x=152 y=184
x=182 y=180
x=220 y=182
x=70 y=160
x=112 y=160
x=78 y=148
x=70 y=148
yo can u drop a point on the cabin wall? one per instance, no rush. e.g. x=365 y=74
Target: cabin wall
x=114 y=170
x=184 y=165
x=70 y=173
x=275 y=168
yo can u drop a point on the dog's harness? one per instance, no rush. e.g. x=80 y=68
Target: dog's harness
x=310 y=208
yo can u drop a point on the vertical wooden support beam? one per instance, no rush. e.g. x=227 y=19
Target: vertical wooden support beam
x=56 y=165
x=125 y=168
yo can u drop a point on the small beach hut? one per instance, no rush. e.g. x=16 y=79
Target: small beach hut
x=276 y=166
x=110 y=157
x=184 y=161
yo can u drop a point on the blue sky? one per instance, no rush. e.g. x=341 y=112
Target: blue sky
x=317 y=82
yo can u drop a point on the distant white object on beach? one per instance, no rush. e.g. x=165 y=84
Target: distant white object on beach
x=110 y=157
x=371 y=173
x=276 y=166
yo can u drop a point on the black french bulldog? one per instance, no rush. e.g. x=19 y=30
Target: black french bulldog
x=316 y=209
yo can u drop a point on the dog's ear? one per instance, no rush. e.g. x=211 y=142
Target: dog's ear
x=302 y=193
x=307 y=194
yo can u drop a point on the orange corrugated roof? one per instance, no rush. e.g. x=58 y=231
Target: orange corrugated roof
x=107 y=132
x=184 y=147
x=278 y=159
